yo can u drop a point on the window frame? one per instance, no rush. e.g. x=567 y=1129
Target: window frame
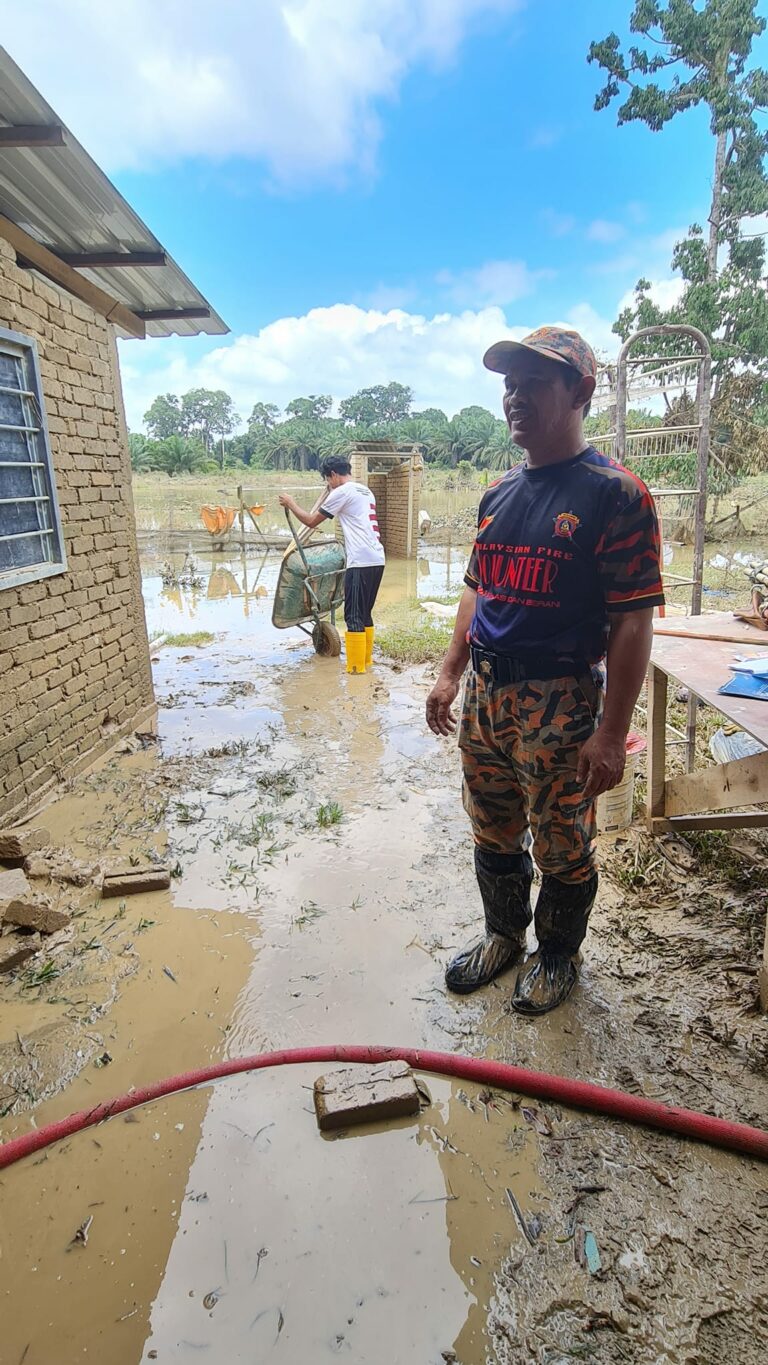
x=19 y=342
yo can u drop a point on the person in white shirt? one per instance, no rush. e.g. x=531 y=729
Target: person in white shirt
x=355 y=507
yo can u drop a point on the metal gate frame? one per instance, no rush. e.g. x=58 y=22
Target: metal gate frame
x=622 y=441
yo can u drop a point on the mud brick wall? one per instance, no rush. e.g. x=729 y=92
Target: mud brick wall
x=378 y=486
x=74 y=658
x=397 y=499
x=403 y=493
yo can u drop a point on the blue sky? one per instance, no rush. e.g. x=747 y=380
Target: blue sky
x=368 y=192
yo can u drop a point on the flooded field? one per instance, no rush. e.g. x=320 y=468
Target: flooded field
x=322 y=873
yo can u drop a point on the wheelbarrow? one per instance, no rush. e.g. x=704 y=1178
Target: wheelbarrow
x=310 y=589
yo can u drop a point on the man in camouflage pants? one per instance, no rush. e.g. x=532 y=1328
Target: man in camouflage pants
x=564 y=574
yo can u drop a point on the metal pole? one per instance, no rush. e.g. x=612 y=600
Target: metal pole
x=241 y=516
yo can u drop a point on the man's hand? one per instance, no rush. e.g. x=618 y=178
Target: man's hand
x=441 y=719
x=286 y=500
x=601 y=762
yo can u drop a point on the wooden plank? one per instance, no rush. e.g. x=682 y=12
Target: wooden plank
x=91 y=260
x=657 y=755
x=722 y=787
x=739 y=819
x=49 y=264
x=703 y=666
x=32 y=135
x=716 y=625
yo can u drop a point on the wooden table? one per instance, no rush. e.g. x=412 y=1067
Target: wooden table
x=702 y=665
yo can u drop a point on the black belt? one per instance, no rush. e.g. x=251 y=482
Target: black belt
x=504 y=668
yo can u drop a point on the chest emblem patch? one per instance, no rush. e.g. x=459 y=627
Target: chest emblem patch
x=565 y=525
x=484 y=524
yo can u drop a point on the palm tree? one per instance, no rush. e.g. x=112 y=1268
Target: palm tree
x=180 y=455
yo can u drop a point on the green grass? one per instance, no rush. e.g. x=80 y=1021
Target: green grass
x=416 y=642
x=192 y=637
x=329 y=814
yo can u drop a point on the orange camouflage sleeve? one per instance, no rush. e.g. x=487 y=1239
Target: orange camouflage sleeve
x=629 y=557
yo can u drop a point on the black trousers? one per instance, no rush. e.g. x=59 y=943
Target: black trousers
x=361 y=587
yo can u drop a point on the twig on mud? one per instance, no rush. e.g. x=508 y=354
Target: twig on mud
x=81 y=1236
x=521 y=1222
x=438 y=1199
x=125 y=1316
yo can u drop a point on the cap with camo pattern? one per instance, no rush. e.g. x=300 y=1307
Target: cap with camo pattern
x=556 y=343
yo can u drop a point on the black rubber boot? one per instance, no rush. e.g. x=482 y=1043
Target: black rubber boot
x=505 y=886
x=562 y=912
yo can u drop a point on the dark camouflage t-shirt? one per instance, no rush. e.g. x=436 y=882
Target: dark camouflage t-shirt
x=557 y=549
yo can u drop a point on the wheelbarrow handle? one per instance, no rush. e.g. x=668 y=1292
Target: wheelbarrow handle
x=307 y=569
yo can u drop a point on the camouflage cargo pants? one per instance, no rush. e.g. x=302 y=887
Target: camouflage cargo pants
x=520 y=745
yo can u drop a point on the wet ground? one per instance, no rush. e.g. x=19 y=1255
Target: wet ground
x=322 y=874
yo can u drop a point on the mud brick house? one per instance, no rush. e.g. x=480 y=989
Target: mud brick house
x=78 y=268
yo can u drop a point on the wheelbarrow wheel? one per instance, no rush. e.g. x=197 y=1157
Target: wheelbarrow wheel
x=326 y=640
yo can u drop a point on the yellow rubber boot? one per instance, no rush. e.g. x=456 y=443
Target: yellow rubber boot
x=355 y=642
x=368 y=646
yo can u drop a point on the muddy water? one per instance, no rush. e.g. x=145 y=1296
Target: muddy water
x=229 y=1197
x=225 y=1228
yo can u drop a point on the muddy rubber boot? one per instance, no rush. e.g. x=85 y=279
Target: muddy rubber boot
x=368 y=646
x=549 y=976
x=355 y=644
x=505 y=886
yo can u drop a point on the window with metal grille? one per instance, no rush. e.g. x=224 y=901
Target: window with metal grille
x=31 y=542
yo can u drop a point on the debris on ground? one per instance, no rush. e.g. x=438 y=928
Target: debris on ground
x=13 y=884
x=58 y=865
x=81 y=1236
x=29 y=913
x=135 y=880
x=365 y=1094
x=17 y=844
x=15 y=949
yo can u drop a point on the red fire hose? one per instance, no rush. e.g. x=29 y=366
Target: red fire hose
x=737 y=1137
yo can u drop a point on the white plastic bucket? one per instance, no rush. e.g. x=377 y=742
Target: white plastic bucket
x=614 y=808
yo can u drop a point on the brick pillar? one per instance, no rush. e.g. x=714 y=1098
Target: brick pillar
x=359 y=462
x=378 y=486
x=402 y=512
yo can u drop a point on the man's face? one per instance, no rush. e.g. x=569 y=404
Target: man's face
x=538 y=405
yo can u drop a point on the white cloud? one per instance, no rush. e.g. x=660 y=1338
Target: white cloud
x=293 y=83
x=494 y=283
x=602 y=230
x=664 y=293
x=333 y=350
x=339 y=350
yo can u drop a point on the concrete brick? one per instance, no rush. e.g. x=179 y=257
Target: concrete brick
x=365 y=1094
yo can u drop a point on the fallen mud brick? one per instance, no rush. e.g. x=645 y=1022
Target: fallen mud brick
x=56 y=866
x=13 y=884
x=136 y=880
x=17 y=844
x=365 y=1094
x=33 y=914
x=16 y=949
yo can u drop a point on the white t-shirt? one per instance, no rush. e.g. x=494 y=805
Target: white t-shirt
x=355 y=506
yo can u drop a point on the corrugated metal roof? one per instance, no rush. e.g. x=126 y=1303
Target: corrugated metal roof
x=61 y=198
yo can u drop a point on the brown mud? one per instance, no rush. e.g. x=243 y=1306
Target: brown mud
x=322 y=874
